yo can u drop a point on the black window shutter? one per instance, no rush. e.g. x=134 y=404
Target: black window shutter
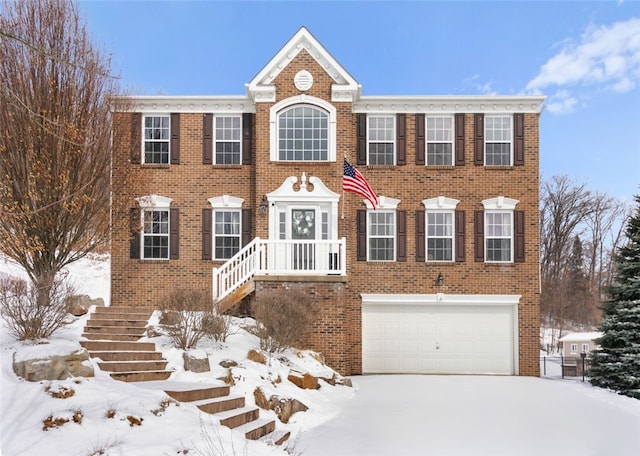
x=459 y=135
x=174 y=234
x=401 y=139
x=478 y=136
x=175 y=139
x=207 y=139
x=247 y=138
x=420 y=236
x=479 y=236
x=361 y=251
x=401 y=219
x=247 y=224
x=136 y=137
x=362 y=140
x=519 y=244
x=518 y=146
x=134 y=227
x=460 y=241
x=420 y=139
x=207 y=238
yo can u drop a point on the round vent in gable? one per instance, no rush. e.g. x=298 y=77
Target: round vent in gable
x=303 y=80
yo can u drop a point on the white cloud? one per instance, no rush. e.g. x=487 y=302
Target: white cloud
x=561 y=102
x=606 y=55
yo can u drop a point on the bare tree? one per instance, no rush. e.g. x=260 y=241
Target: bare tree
x=601 y=226
x=564 y=206
x=55 y=120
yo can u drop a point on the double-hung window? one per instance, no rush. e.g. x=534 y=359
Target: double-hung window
x=440 y=235
x=498 y=138
x=382 y=239
x=155 y=234
x=228 y=140
x=440 y=230
x=303 y=134
x=440 y=140
x=156 y=139
x=226 y=233
x=499 y=236
x=381 y=134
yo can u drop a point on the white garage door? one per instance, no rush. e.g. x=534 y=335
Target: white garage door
x=437 y=339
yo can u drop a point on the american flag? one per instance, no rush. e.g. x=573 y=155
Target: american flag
x=354 y=182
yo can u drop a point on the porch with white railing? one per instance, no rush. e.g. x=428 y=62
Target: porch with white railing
x=282 y=258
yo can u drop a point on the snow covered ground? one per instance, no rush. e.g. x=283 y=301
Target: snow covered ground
x=381 y=415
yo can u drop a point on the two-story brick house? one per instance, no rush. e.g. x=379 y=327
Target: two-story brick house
x=239 y=194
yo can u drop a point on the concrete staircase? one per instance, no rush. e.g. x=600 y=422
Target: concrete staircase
x=113 y=334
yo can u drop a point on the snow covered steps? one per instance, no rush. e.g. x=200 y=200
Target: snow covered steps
x=112 y=334
x=230 y=410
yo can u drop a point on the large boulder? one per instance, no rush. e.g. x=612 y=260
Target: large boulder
x=56 y=367
x=282 y=406
x=303 y=380
x=195 y=363
x=79 y=305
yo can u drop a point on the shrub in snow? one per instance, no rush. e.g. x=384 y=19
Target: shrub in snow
x=218 y=327
x=27 y=315
x=184 y=313
x=283 y=318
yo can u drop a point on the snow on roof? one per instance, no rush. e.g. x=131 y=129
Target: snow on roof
x=580 y=336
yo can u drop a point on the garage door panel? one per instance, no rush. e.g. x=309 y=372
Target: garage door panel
x=437 y=339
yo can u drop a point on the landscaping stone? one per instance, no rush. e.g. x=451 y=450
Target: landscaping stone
x=283 y=407
x=304 y=381
x=257 y=357
x=227 y=363
x=58 y=367
x=79 y=305
x=193 y=363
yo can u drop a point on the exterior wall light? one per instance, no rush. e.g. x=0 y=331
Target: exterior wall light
x=264 y=205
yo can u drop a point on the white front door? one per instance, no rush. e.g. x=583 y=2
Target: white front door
x=303 y=229
x=299 y=217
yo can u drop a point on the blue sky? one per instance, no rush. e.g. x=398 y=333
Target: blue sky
x=584 y=55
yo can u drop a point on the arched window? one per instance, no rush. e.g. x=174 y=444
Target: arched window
x=303 y=129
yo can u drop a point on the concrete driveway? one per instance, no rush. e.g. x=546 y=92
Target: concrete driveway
x=474 y=415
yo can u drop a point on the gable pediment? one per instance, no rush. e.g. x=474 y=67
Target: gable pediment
x=262 y=88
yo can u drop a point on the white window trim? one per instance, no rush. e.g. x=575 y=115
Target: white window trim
x=275 y=110
x=503 y=205
x=151 y=203
x=585 y=348
x=142 y=148
x=386 y=204
x=393 y=140
x=510 y=117
x=573 y=348
x=215 y=140
x=452 y=141
x=224 y=203
x=440 y=204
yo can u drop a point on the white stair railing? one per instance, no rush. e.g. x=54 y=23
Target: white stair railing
x=279 y=257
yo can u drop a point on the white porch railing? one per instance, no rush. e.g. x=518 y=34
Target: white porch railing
x=279 y=257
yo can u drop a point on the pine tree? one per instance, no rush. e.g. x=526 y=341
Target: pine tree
x=616 y=365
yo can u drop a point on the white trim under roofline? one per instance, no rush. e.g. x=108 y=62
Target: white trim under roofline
x=446 y=104
x=181 y=103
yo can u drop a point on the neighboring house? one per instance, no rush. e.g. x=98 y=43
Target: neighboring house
x=240 y=194
x=573 y=344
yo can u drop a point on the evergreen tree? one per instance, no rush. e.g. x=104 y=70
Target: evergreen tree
x=616 y=365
